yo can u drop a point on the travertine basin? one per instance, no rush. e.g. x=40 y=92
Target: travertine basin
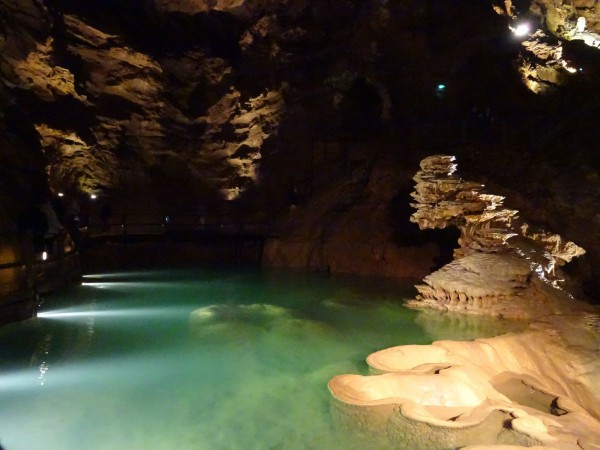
x=487 y=392
x=423 y=411
x=424 y=389
x=407 y=357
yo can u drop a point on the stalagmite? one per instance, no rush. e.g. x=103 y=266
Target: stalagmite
x=499 y=256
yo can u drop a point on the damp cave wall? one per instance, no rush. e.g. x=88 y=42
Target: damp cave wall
x=162 y=105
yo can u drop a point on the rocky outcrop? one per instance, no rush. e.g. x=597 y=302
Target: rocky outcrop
x=349 y=229
x=73 y=162
x=133 y=115
x=546 y=28
x=38 y=74
x=486 y=392
x=538 y=387
x=502 y=267
x=224 y=101
x=541 y=64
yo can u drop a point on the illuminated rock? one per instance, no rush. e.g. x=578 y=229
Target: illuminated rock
x=38 y=74
x=541 y=64
x=73 y=162
x=252 y=123
x=485 y=392
x=503 y=267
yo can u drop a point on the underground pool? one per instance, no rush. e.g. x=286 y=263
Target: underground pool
x=201 y=358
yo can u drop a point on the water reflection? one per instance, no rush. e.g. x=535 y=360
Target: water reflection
x=197 y=359
x=123 y=313
x=456 y=326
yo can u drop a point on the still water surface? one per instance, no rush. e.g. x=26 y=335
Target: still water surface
x=201 y=359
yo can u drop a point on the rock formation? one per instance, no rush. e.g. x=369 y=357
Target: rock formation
x=487 y=392
x=502 y=267
x=551 y=33
x=183 y=102
x=349 y=228
x=539 y=387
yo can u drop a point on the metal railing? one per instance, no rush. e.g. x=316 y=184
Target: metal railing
x=135 y=224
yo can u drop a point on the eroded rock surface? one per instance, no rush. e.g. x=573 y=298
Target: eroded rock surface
x=487 y=392
x=502 y=267
x=349 y=229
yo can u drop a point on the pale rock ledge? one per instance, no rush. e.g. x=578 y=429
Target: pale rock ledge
x=487 y=393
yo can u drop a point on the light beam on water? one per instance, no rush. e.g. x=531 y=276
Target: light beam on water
x=212 y=360
x=136 y=313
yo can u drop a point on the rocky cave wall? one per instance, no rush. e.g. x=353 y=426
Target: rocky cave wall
x=180 y=102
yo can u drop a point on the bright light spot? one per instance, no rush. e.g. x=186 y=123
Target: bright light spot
x=136 y=313
x=43 y=369
x=441 y=87
x=580 y=27
x=93 y=196
x=231 y=194
x=568 y=68
x=120 y=275
x=97 y=285
x=122 y=284
x=521 y=29
x=44 y=256
x=60 y=194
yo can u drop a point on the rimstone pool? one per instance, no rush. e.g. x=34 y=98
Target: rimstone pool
x=201 y=358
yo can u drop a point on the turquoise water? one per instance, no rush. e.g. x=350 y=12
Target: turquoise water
x=200 y=359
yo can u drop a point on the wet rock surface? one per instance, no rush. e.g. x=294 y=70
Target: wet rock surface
x=187 y=102
x=485 y=393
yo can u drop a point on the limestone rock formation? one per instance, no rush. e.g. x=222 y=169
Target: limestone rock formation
x=73 y=162
x=541 y=63
x=138 y=113
x=501 y=267
x=187 y=101
x=544 y=62
x=348 y=229
x=487 y=392
x=38 y=74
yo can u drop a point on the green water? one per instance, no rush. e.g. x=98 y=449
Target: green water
x=200 y=359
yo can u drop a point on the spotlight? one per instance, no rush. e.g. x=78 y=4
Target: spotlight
x=93 y=196
x=60 y=194
x=440 y=90
x=521 y=29
x=44 y=256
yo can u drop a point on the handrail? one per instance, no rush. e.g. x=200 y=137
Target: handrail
x=228 y=224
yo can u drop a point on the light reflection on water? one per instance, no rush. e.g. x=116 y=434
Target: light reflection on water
x=198 y=359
